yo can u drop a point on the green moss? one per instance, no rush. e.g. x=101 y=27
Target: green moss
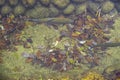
x=14 y=66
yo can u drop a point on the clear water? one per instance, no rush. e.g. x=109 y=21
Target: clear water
x=59 y=40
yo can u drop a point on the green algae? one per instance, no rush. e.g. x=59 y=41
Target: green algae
x=15 y=68
x=14 y=65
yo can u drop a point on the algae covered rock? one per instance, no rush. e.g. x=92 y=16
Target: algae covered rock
x=31 y=13
x=69 y=9
x=80 y=8
x=28 y=3
x=107 y=6
x=5 y=10
x=98 y=0
x=13 y=2
x=61 y=3
x=19 y=9
x=38 y=12
x=53 y=11
x=45 y=2
x=92 y=6
x=2 y=2
x=78 y=1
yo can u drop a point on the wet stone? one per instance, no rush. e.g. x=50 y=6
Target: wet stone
x=69 y=10
x=61 y=3
x=107 y=6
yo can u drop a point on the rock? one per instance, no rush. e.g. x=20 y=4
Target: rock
x=61 y=3
x=69 y=9
x=28 y=3
x=18 y=10
x=93 y=7
x=31 y=13
x=117 y=5
x=13 y=2
x=99 y=0
x=38 y=12
x=2 y=2
x=5 y=10
x=107 y=6
x=45 y=2
x=81 y=8
x=53 y=11
x=78 y=1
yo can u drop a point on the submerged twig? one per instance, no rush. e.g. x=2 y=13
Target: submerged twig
x=107 y=45
x=52 y=20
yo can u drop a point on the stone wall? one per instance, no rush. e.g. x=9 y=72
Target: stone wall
x=53 y=8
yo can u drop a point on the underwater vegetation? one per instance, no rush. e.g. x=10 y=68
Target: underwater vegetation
x=81 y=44
x=93 y=76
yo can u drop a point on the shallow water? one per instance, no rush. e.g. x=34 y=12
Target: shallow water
x=59 y=40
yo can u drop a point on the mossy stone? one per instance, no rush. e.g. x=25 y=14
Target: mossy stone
x=99 y=0
x=45 y=2
x=19 y=9
x=78 y=1
x=42 y=12
x=80 y=8
x=53 y=11
x=2 y=2
x=69 y=9
x=38 y=12
x=31 y=13
x=13 y=2
x=107 y=6
x=5 y=10
x=61 y=3
x=93 y=7
x=28 y=3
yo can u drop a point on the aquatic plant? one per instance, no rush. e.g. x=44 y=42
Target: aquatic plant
x=15 y=67
x=93 y=76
